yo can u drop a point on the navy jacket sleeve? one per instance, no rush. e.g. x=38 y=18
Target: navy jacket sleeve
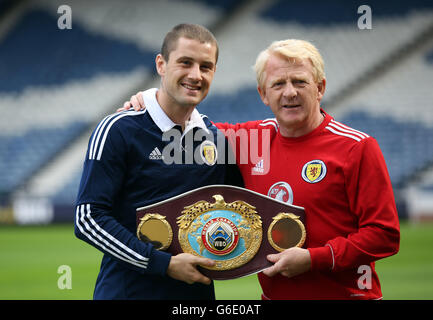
x=95 y=222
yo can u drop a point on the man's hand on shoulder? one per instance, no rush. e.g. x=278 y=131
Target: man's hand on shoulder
x=136 y=101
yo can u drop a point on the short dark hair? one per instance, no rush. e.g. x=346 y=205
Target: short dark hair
x=189 y=31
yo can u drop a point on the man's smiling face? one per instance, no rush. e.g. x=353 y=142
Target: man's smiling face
x=188 y=73
x=292 y=93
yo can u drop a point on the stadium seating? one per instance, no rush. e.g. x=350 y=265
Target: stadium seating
x=21 y=156
x=322 y=13
x=349 y=52
x=58 y=57
x=48 y=59
x=56 y=84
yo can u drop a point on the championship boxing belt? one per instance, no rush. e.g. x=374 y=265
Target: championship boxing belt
x=234 y=226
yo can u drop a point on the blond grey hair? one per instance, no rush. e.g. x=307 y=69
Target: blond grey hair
x=290 y=49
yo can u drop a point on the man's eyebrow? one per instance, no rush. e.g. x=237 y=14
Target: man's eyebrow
x=277 y=79
x=184 y=58
x=300 y=76
x=207 y=62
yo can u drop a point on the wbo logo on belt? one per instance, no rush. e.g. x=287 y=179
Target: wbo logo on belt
x=220 y=236
x=229 y=233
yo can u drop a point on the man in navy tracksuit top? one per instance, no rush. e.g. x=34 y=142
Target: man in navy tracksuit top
x=138 y=158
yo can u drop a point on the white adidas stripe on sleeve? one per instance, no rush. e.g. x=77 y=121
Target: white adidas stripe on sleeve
x=344 y=128
x=101 y=132
x=270 y=122
x=104 y=240
x=345 y=131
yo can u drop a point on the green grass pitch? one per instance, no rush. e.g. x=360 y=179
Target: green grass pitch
x=30 y=257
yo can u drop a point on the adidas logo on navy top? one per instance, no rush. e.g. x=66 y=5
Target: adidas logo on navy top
x=156 y=154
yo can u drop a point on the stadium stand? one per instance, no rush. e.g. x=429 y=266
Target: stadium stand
x=87 y=55
x=397 y=111
x=22 y=155
x=56 y=84
x=35 y=130
x=64 y=81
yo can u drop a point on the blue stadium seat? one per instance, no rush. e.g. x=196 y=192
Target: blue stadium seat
x=406 y=146
x=37 y=53
x=429 y=56
x=22 y=155
x=317 y=12
x=226 y=5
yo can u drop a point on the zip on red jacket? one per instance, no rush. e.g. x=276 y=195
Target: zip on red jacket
x=339 y=175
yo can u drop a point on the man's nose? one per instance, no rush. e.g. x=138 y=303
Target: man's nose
x=195 y=73
x=289 y=91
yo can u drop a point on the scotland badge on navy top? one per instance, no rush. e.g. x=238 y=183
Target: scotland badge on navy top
x=223 y=223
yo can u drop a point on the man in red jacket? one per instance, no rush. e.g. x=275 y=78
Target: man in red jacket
x=338 y=174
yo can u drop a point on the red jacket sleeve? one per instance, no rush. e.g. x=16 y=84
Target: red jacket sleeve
x=371 y=198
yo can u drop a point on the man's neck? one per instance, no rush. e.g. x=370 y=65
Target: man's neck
x=312 y=124
x=178 y=114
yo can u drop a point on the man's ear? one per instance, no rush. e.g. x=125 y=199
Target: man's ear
x=321 y=86
x=262 y=93
x=160 y=64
